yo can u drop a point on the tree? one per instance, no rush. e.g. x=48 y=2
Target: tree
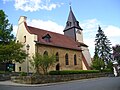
x=9 y=50
x=97 y=63
x=5 y=29
x=116 y=53
x=102 y=46
x=12 y=52
x=43 y=62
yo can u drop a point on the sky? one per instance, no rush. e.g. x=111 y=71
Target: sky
x=52 y=15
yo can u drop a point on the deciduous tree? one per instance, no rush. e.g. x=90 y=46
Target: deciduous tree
x=43 y=62
x=97 y=63
x=9 y=50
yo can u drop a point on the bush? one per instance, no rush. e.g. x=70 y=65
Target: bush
x=2 y=72
x=66 y=72
x=23 y=74
x=107 y=70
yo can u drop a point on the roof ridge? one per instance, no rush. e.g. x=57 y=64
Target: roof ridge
x=45 y=30
x=51 y=32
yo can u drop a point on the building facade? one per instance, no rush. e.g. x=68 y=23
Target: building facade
x=70 y=50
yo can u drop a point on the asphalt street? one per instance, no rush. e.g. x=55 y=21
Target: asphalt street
x=108 y=83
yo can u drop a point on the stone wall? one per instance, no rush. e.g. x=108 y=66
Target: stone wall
x=55 y=78
x=4 y=77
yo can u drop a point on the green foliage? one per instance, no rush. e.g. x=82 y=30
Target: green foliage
x=98 y=63
x=102 y=46
x=43 y=62
x=67 y=72
x=2 y=72
x=110 y=66
x=5 y=29
x=23 y=74
x=9 y=50
x=106 y=70
x=12 y=52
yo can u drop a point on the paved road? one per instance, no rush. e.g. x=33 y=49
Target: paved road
x=109 y=83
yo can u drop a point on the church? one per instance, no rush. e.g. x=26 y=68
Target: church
x=70 y=50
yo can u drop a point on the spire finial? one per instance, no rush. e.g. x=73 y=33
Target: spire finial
x=70 y=4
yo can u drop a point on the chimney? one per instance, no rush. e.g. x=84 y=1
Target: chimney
x=22 y=19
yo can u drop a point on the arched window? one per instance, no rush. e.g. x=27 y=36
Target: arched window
x=69 y=23
x=66 y=59
x=45 y=53
x=75 y=60
x=57 y=57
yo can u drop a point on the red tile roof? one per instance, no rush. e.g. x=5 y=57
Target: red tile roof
x=56 y=39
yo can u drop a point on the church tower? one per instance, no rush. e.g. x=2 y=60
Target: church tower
x=72 y=28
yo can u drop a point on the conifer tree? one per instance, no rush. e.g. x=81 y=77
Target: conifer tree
x=102 y=46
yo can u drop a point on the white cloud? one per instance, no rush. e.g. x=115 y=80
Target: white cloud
x=47 y=25
x=113 y=34
x=34 y=5
x=112 y=31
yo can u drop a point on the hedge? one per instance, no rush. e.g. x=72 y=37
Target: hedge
x=66 y=72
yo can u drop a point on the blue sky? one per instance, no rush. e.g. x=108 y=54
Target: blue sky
x=52 y=15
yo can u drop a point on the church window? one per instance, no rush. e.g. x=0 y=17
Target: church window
x=66 y=59
x=24 y=39
x=69 y=23
x=45 y=53
x=46 y=37
x=75 y=60
x=57 y=57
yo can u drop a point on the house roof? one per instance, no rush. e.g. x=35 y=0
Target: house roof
x=56 y=39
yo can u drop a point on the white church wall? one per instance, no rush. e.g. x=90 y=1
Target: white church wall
x=30 y=38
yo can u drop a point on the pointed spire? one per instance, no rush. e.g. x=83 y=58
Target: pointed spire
x=72 y=22
x=71 y=16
